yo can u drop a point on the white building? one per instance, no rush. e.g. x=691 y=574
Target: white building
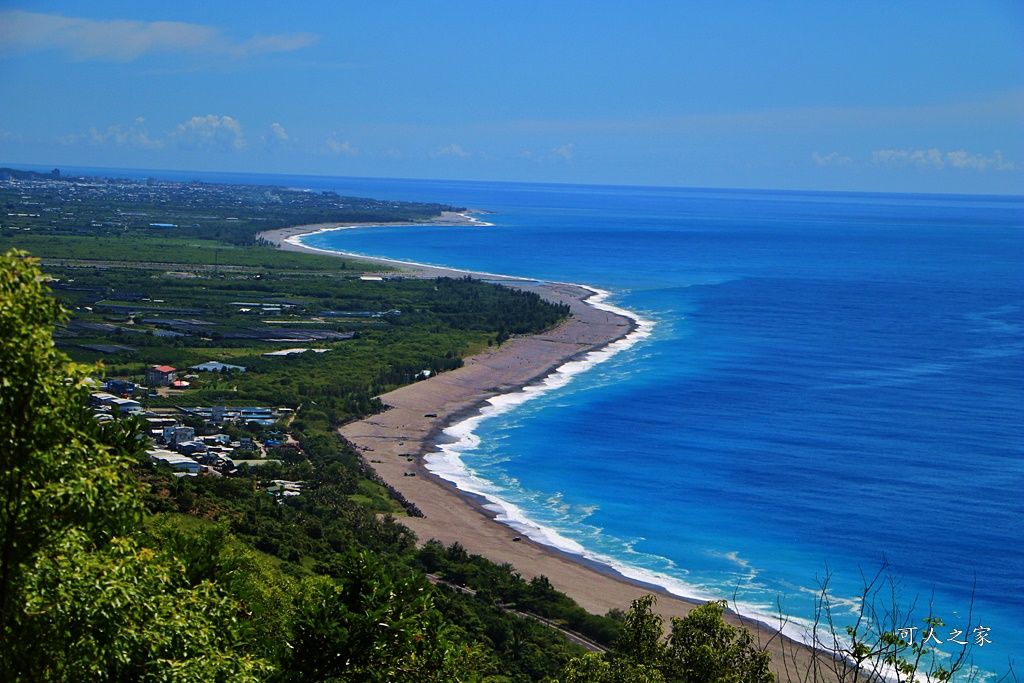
x=126 y=406
x=178 y=434
x=175 y=460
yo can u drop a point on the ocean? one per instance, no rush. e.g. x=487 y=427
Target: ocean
x=823 y=384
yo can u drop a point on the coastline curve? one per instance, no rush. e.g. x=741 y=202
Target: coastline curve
x=402 y=444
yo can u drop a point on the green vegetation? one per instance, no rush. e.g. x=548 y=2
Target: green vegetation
x=308 y=590
x=79 y=597
x=378 y=335
x=147 y=576
x=61 y=470
x=700 y=647
x=114 y=569
x=501 y=584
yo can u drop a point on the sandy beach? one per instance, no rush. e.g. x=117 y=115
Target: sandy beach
x=395 y=442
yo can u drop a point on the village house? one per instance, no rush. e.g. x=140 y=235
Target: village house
x=120 y=387
x=160 y=376
x=177 y=434
x=175 y=460
x=114 y=405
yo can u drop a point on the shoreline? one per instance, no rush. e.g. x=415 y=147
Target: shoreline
x=399 y=442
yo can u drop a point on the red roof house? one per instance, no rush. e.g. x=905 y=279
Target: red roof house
x=160 y=375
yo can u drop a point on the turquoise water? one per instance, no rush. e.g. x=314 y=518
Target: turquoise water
x=824 y=382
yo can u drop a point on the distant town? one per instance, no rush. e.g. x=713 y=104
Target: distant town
x=75 y=205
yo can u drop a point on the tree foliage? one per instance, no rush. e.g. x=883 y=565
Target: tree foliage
x=594 y=668
x=701 y=648
x=502 y=584
x=59 y=469
x=80 y=598
x=372 y=625
x=641 y=635
x=128 y=613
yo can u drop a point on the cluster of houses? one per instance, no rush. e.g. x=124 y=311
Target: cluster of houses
x=190 y=454
x=218 y=415
x=107 y=406
x=178 y=445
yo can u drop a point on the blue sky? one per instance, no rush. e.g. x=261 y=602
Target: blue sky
x=825 y=94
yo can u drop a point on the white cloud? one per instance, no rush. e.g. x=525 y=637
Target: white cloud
x=922 y=158
x=832 y=159
x=561 y=153
x=934 y=158
x=564 y=152
x=334 y=146
x=288 y=42
x=452 y=150
x=124 y=40
x=278 y=130
x=134 y=135
x=210 y=132
x=278 y=136
x=962 y=159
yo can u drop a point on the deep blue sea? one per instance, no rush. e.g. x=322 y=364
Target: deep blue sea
x=826 y=382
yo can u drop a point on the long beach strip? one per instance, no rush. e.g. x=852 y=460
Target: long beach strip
x=397 y=443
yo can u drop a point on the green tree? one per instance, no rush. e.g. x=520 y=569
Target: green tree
x=640 y=638
x=80 y=598
x=372 y=625
x=128 y=613
x=703 y=647
x=59 y=469
x=593 y=668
